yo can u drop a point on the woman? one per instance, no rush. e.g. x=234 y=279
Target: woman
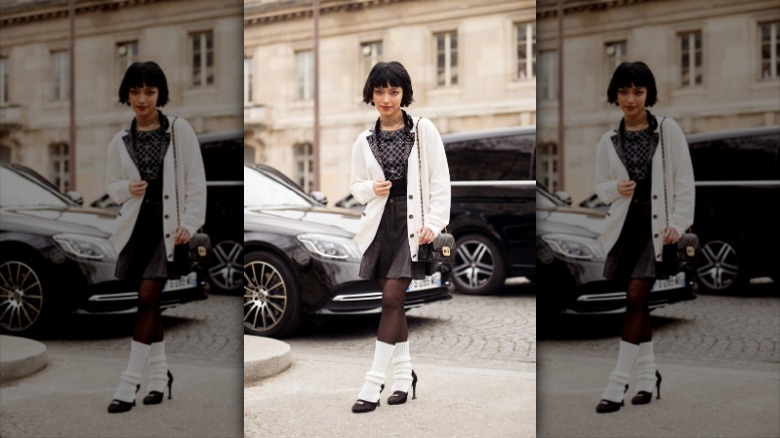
x=386 y=177
x=163 y=198
x=640 y=181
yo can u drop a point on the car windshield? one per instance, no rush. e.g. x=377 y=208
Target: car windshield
x=19 y=191
x=264 y=190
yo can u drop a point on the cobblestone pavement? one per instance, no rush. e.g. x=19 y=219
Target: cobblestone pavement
x=741 y=330
x=496 y=331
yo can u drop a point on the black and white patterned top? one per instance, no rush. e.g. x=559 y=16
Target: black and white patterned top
x=148 y=148
x=394 y=153
x=636 y=148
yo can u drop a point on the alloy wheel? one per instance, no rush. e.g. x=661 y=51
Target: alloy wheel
x=21 y=296
x=720 y=267
x=265 y=295
x=473 y=264
x=226 y=272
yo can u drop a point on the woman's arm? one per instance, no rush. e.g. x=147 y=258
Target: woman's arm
x=439 y=198
x=117 y=184
x=194 y=211
x=361 y=187
x=684 y=190
x=605 y=183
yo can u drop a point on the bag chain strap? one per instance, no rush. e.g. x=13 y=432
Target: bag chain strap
x=175 y=168
x=663 y=173
x=419 y=167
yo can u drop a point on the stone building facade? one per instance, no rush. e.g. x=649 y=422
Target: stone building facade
x=716 y=65
x=197 y=43
x=471 y=63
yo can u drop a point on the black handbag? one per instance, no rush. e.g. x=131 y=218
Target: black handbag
x=442 y=249
x=198 y=249
x=686 y=250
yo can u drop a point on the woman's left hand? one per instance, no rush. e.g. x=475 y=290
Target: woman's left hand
x=425 y=235
x=670 y=235
x=180 y=236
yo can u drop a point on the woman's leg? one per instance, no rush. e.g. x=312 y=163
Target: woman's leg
x=148 y=322
x=392 y=324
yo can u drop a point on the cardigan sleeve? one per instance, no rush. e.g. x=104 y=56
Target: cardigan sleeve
x=117 y=184
x=681 y=216
x=360 y=185
x=194 y=213
x=606 y=184
x=439 y=199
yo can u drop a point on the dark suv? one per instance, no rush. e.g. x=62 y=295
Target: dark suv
x=737 y=192
x=493 y=214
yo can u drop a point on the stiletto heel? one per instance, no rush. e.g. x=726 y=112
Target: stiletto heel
x=119 y=406
x=644 y=397
x=606 y=406
x=362 y=406
x=399 y=397
x=156 y=397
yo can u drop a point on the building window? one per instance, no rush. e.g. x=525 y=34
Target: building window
x=371 y=53
x=526 y=51
x=60 y=169
x=305 y=74
x=446 y=59
x=304 y=166
x=248 y=77
x=4 y=81
x=547 y=165
x=547 y=81
x=615 y=54
x=202 y=58
x=770 y=50
x=127 y=53
x=690 y=59
x=61 y=74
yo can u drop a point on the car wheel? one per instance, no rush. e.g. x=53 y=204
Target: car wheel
x=225 y=273
x=24 y=303
x=719 y=269
x=479 y=267
x=271 y=298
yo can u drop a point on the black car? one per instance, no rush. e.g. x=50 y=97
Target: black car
x=570 y=264
x=737 y=177
x=222 y=152
x=55 y=258
x=300 y=261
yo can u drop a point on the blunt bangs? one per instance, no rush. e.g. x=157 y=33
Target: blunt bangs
x=144 y=73
x=391 y=74
x=635 y=74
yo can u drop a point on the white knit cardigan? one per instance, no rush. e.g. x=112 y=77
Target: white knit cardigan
x=435 y=187
x=189 y=174
x=679 y=185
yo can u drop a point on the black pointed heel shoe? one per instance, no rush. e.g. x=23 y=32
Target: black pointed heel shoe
x=362 y=406
x=119 y=406
x=399 y=397
x=644 y=397
x=606 y=406
x=156 y=397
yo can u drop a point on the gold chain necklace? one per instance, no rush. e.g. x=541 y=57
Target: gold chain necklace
x=393 y=123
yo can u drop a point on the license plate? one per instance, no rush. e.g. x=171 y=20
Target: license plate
x=429 y=282
x=673 y=282
x=185 y=282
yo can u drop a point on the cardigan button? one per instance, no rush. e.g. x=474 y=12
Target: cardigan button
x=655 y=235
x=166 y=216
x=655 y=196
x=167 y=235
x=411 y=236
x=411 y=216
x=655 y=216
x=411 y=197
x=166 y=197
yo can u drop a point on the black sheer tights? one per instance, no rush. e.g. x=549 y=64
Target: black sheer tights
x=392 y=324
x=148 y=321
x=636 y=326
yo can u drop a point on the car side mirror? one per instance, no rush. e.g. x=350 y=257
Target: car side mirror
x=320 y=197
x=75 y=197
x=563 y=197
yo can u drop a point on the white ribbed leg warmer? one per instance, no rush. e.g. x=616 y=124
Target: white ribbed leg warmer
x=402 y=376
x=376 y=376
x=132 y=375
x=158 y=367
x=622 y=372
x=646 y=362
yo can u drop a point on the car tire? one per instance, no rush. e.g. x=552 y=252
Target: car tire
x=225 y=274
x=479 y=266
x=271 y=296
x=26 y=304
x=719 y=269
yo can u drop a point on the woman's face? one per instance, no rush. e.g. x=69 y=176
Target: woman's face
x=143 y=100
x=388 y=100
x=631 y=100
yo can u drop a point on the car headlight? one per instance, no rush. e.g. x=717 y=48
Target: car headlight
x=575 y=247
x=86 y=247
x=330 y=247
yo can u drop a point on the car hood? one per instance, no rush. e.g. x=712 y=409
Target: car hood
x=338 y=221
x=548 y=226
x=54 y=220
x=588 y=218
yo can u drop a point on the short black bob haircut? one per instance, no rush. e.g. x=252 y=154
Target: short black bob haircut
x=635 y=74
x=391 y=74
x=144 y=73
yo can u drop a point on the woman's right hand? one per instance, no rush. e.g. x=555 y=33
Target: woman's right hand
x=382 y=188
x=137 y=187
x=626 y=187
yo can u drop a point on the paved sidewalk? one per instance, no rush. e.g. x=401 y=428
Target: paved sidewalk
x=313 y=399
x=20 y=357
x=696 y=400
